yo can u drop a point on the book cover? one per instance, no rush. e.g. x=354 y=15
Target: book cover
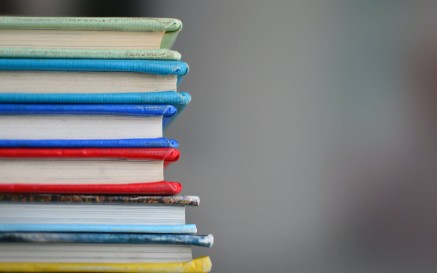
x=155 y=188
x=106 y=238
x=178 y=99
x=115 y=228
x=145 y=110
x=166 y=154
x=169 y=155
x=90 y=143
x=170 y=26
x=156 y=67
x=198 y=265
x=179 y=200
x=52 y=53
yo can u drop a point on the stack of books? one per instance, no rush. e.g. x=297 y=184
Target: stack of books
x=83 y=106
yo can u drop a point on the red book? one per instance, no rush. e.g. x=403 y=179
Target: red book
x=87 y=171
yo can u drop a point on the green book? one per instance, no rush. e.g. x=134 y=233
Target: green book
x=88 y=37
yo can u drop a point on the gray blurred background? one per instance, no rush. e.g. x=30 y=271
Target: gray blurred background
x=300 y=138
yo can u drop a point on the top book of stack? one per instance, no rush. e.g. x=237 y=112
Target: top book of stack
x=87 y=37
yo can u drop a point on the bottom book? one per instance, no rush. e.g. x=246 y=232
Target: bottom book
x=199 y=265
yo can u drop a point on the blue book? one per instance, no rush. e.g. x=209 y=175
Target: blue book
x=90 y=143
x=115 y=228
x=92 y=81
x=106 y=238
x=178 y=99
x=156 y=67
x=85 y=125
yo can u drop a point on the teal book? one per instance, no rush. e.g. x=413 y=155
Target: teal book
x=88 y=37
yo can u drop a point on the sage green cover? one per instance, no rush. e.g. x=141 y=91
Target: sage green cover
x=170 y=26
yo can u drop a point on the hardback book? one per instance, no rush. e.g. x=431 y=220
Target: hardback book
x=89 y=122
x=90 y=143
x=87 y=37
x=99 y=247
x=89 y=76
x=34 y=210
x=87 y=170
x=198 y=265
x=178 y=99
x=97 y=213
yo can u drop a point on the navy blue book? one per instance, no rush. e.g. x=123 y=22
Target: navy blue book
x=85 y=125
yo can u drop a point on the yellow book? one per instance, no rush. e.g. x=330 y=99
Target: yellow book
x=199 y=265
